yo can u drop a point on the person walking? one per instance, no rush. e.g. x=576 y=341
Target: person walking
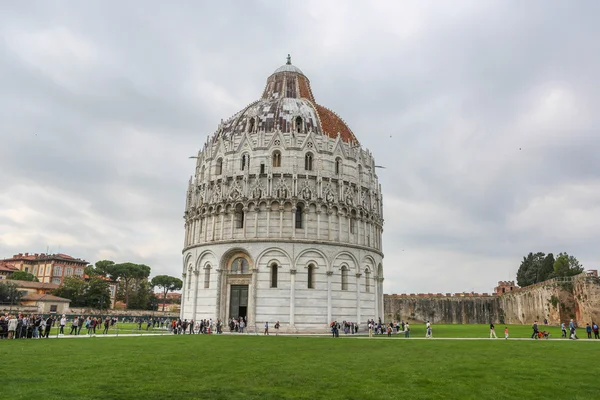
x=277 y=328
x=506 y=332
x=106 y=325
x=74 y=326
x=493 y=331
x=595 y=329
x=266 y=328
x=428 y=333
x=49 y=322
x=563 y=328
x=406 y=330
x=534 y=335
x=572 y=330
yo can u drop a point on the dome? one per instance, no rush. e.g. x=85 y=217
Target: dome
x=287 y=96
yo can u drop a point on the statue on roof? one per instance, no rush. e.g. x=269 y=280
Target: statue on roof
x=289 y=60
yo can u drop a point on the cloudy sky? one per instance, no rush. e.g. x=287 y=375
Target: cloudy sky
x=485 y=114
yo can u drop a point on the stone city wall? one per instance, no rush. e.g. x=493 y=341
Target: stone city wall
x=557 y=300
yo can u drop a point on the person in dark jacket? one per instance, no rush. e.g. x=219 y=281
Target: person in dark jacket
x=49 y=322
x=534 y=335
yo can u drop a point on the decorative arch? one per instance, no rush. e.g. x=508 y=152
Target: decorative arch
x=206 y=257
x=345 y=253
x=231 y=254
x=272 y=254
x=304 y=264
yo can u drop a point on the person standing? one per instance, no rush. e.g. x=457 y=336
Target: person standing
x=428 y=334
x=74 y=326
x=49 y=322
x=588 y=330
x=12 y=326
x=563 y=329
x=266 y=328
x=595 y=329
x=63 y=322
x=406 y=330
x=276 y=328
x=493 y=331
x=506 y=332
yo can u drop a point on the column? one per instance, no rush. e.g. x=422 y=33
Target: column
x=268 y=220
x=329 y=316
x=350 y=234
x=358 y=316
x=213 y=217
x=252 y=316
x=329 y=214
x=256 y=221
x=318 y=222
x=245 y=210
x=381 y=298
x=376 y=279
x=195 y=299
x=205 y=223
x=183 y=278
x=293 y=222
x=292 y=298
x=218 y=306
x=222 y=223
x=280 y=221
x=232 y=213
x=305 y=218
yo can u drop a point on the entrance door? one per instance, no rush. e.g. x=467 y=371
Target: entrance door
x=238 y=303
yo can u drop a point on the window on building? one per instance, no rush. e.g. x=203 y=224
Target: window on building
x=53 y=308
x=262 y=168
x=344 y=278
x=219 y=169
x=79 y=271
x=338 y=166
x=298 y=216
x=26 y=269
x=367 y=281
x=56 y=281
x=276 y=159
x=189 y=279
x=274 y=268
x=352 y=225
x=311 y=278
x=57 y=271
x=251 y=125
x=308 y=162
x=299 y=124
x=207 y=277
x=68 y=271
x=245 y=162
x=239 y=216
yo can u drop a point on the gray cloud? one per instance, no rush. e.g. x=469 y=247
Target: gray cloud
x=484 y=114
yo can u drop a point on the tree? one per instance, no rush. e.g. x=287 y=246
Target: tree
x=73 y=288
x=566 y=265
x=168 y=284
x=23 y=276
x=142 y=296
x=546 y=268
x=128 y=274
x=97 y=293
x=530 y=271
x=10 y=293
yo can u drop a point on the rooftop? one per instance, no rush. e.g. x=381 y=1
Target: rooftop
x=44 y=297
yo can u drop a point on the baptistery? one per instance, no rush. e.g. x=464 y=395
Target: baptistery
x=283 y=217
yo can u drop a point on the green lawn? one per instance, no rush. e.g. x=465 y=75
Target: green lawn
x=258 y=367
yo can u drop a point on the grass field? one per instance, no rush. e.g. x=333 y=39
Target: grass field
x=417 y=330
x=258 y=367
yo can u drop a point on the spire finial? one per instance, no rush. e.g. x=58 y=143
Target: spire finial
x=289 y=60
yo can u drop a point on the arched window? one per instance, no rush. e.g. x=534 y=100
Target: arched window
x=251 y=125
x=276 y=159
x=298 y=216
x=245 y=162
x=352 y=224
x=359 y=171
x=367 y=281
x=308 y=162
x=311 y=279
x=219 y=170
x=189 y=281
x=262 y=168
x=298 y=124
x=274 y=268
x=338 y=166
x=239 y=216
x=207 y=277
x=344 y=278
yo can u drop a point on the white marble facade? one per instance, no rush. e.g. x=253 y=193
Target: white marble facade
x=283 y=217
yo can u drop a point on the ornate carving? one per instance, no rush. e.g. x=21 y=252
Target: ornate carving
x=329 y=194
x=236 y=191
x=307 y=192
x=329 y=273
x=349 y=196
x=217 y=196
x=281 y=189
x=292 y=272
x=258 y=190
